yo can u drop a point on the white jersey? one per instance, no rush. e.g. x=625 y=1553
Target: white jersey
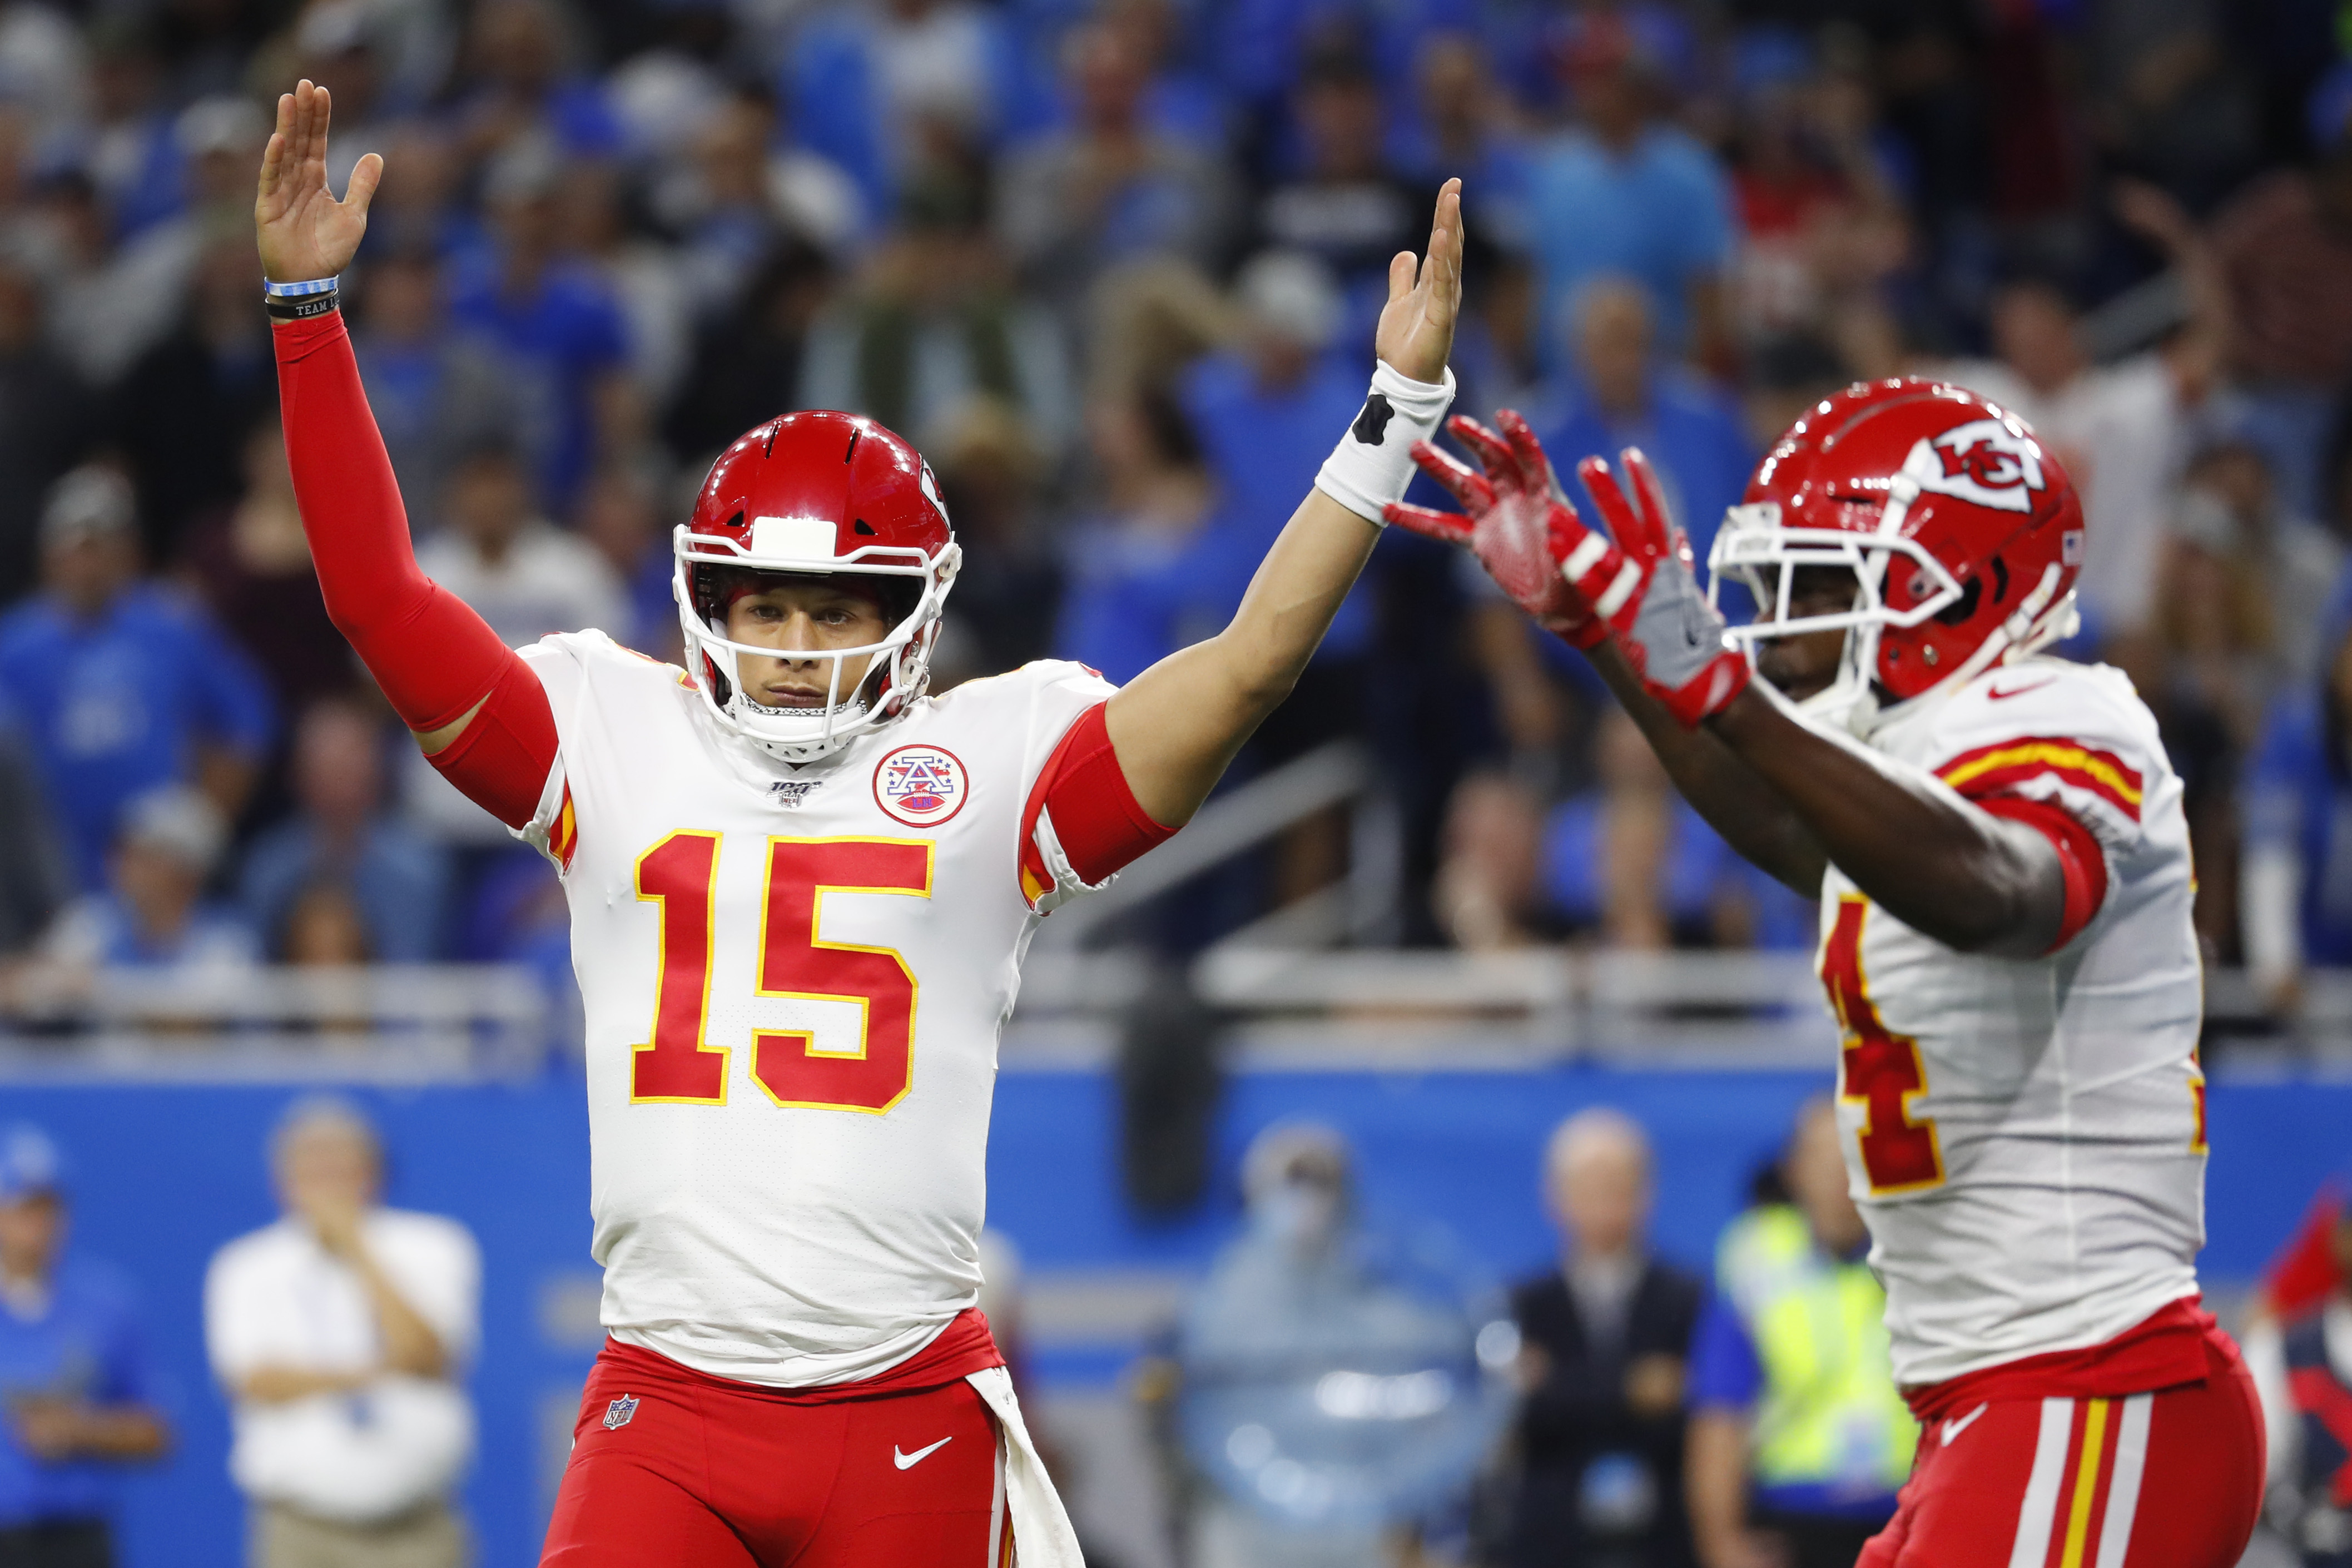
x=2026 y=1137
x=794 y=980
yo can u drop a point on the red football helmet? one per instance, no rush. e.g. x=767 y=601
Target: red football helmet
x=1964 y=535
x=816 y=493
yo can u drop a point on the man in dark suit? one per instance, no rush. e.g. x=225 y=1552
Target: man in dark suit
x=1606 y=1336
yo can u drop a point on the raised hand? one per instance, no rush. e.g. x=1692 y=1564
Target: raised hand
x=1643 y=586
x=303 y=231
x=1637 y=589
x=1416 y=329
x=1517 y=519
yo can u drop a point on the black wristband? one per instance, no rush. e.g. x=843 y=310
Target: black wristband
x=299 y=307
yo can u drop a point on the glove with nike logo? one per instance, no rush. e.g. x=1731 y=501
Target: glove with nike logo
x=1638 y=589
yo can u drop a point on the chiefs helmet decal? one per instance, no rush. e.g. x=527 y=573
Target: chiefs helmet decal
x=1963 y=535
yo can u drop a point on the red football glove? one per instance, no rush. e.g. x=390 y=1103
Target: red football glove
x=1639 y=589
x=1518 y=520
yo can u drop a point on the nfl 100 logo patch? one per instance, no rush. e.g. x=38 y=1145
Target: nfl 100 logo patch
x=921 y=786
x=618 y=1414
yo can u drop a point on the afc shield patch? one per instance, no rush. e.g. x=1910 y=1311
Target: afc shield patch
x=921 y=786
x=618 y=1414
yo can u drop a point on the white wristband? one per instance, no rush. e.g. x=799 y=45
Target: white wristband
x=1372 y=465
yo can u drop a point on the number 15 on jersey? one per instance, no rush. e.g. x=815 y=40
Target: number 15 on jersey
x=678 y=1066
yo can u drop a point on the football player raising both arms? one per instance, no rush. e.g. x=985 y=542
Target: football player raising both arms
x=801 y=887
x=1997 y=842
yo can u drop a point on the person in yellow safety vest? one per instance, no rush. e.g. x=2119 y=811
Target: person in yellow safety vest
x=1798 y=1438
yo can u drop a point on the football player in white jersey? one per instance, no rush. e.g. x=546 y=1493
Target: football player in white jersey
x=1997 y=840
x=800 y=886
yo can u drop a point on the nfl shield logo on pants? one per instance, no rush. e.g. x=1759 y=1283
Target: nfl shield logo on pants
x=618 y=1414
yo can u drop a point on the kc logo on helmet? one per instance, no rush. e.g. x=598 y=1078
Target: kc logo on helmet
x=1982 y=461
x=921 y=786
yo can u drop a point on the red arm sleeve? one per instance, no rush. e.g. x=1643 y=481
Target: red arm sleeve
x=433 y=657
x=2080 y=859
x=1094 y=817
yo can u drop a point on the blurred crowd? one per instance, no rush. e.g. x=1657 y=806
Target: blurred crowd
x=1113 y=264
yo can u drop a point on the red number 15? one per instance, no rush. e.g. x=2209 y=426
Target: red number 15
x=676 y=1067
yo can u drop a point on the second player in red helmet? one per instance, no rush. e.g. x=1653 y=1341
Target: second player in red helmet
x=1996 y=840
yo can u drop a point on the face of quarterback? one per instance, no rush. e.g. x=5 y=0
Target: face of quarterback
x=1805 y=664
x=803 y=616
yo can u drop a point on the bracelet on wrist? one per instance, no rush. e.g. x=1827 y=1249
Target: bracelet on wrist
x=301 y=307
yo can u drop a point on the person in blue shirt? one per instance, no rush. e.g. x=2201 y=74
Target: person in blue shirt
x=1623 y=393
x=154 y=914
x=397 y=881
x=122 y=686
x=551 y=313
x=1256 y=408
x=1146 y=580
x=1630 y=194
x=78 y=1394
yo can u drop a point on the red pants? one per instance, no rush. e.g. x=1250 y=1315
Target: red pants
x=673 y=1469
x=2169 y=1479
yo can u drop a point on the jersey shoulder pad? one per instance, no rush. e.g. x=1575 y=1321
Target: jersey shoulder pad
x=2050 y=730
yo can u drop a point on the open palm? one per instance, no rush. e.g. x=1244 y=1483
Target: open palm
x=1416 y=330
x=304 y=232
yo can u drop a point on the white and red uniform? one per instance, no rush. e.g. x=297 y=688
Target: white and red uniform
x=794 y=979
x=2026 y=1139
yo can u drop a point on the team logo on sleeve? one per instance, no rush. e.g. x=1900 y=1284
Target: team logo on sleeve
x=921 y=786
x=1982 y=461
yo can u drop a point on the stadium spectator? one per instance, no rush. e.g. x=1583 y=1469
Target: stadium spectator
x=1627 y=193
x=2283 y=247
x=1151 y=575
x=82 y=1397
x=45 y=417
x=2296 y=884
x=935 y=324
x=395 y=881
x=552 y=314
x=1465 y=124
x=122 y=687
x=1606 y=1344
x=620 y=515
x=888 y=91
x=182 y=413
x=437 y=389
x=746 y=363
x=1009 y=586
x=252 y=565
x=1623 y=394
x=340 y=1334
x=2118 y=429
x=1110 y=187
x=1797 y=1437
x=1344 y=206
x=2303 y=1367
x=495 y=550
x=35 y=879
x=154 y=914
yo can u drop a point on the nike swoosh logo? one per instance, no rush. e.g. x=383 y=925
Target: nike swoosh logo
x=1994 y=696
x=1951 y=1429
x=909 y=1461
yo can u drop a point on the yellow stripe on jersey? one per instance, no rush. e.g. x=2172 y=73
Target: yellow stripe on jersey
x=2047 y=754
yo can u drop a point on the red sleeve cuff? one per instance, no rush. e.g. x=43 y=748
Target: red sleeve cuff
x=2080 y=859
x=1095 y=817
x=501 y=760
